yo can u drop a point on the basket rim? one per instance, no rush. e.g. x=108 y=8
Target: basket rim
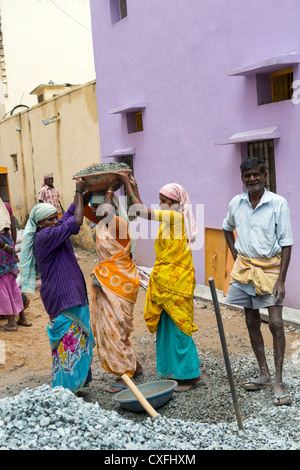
x=119 y=399
x=100 y=173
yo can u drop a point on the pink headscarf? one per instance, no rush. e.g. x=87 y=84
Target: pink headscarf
x=177 y=193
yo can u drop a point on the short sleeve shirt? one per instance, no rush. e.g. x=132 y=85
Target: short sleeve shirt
x=263 y=231
x=51 y=196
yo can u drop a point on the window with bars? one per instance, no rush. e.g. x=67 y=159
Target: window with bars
x=128 y=159
x=282 y=85
x=265 y=151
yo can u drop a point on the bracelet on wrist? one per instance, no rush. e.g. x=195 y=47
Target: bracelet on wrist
x=134 y=185
x=130 y=197
x=79 y=191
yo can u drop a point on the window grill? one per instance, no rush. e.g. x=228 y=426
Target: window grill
x=139 y=121
x=282 y=85
x=265 y=151
x=128 y=159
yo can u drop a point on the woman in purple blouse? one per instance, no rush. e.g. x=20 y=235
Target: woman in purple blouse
x=47 y=250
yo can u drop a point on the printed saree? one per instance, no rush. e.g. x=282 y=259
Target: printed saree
x=72 y=343
x=8 y=262
x=169 y=309
x=112 y=303
x=11 y=302
x=172 y=281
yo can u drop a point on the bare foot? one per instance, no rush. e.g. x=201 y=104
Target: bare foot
x=23 y=320
x=139 y=370
x=8 y=327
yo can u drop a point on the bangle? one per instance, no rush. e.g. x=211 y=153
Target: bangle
x=134 y=185
x=79 y=191
x=131 y=195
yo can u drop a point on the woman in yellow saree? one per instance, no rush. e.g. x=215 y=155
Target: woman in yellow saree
x=169 y=309
x=114 y=289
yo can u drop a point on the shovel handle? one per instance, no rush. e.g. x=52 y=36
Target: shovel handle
x=138 y=394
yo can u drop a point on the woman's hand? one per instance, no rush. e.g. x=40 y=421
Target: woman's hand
x=123 y=177
x=79 y=201
x=132 y=179
x=80 y=185
x=9 y=250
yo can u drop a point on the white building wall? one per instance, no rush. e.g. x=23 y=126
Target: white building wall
x=44 y=40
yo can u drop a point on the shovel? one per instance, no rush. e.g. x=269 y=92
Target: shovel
x=225 y=352
x=138 y=394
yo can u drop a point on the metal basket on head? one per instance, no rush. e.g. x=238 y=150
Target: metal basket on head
x=100 y=176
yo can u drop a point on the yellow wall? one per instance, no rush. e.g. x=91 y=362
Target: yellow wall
x=63 y=147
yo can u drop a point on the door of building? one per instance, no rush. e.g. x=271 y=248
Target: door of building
x=218 y=259
x=4 y=187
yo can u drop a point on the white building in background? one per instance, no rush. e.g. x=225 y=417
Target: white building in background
x=42 y=41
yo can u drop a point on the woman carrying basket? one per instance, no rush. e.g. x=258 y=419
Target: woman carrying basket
x=169 y=309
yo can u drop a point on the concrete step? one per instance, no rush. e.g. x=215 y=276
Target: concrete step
x=291 y=316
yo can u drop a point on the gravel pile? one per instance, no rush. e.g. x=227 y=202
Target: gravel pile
x=43 y=418
x=103 y=167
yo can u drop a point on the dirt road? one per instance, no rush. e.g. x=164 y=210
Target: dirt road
x=28 y=356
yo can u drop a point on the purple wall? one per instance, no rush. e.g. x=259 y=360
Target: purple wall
x=175 y=56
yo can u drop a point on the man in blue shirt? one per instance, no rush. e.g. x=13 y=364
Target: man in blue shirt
x=262 y=253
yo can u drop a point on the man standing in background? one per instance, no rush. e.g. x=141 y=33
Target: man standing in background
x=48 y=193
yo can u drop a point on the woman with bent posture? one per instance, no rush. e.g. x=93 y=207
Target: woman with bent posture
x=46 y=247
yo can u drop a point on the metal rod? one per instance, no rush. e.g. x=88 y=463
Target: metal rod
x=225 y=351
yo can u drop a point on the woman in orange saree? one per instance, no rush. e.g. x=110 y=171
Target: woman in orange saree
x=114 y=289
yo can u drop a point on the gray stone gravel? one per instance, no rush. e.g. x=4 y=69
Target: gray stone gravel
x=50 y=419
x=103 y=167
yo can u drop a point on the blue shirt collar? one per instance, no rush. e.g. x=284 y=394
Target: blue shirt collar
x=266 y=197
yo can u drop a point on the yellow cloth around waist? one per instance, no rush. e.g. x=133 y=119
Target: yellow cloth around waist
x=262 y=273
